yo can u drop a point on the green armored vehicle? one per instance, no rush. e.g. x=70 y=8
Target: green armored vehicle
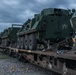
x=51 y=26
x=21 y=34
x=0 y=38
x=9 y=37
x=73 y=25
x=1 y=34
x=73 y=20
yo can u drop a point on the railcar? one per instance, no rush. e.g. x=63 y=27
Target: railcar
x=48 y=40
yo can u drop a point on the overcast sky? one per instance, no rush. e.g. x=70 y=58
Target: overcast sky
x=18 y=11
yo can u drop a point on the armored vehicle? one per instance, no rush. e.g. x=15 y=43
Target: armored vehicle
x=73 y=20
x=1 y=34
x=9 y=37
x=73 y=25
x=21 y=34
x=0 y=37
x=51 y=26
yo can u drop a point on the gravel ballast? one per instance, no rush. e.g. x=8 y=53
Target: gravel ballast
x=11 y=66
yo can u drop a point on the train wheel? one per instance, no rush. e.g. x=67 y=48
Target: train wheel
x=44 y=62
x=64 y=68
x=26 y=44
x=32 y=42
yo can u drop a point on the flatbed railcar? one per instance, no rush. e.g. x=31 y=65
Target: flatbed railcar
x=48 y=40
x=64 y=64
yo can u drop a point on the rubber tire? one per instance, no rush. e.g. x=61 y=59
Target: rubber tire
x=18 y=43
x=19 y=57
x=32 y=42
x=22 y=42
x=26 y=42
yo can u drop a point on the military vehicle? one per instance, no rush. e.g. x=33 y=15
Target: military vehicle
x=9 y=37
x=1 y=34
x=51 y=26
x=0 y=37
x=73 y=25
x=73 y=20
x=21 y=34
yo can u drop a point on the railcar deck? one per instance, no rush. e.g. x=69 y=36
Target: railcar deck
x=62 y=63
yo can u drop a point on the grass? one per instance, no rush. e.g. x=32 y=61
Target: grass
x=3 y=57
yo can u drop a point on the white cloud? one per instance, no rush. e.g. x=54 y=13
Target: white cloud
x=26 y=14
x=62 y=7
x=43 y=1
x=11 y=2
x=6 y=25
x=72 y=6
x=21 y=10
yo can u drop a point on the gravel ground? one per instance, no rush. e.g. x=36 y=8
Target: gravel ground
x=11 y=66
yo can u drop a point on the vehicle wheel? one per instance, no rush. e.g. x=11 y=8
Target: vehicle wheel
x=32 y=42
x=22 y=43
x=19 y=57
x=18 y=43
x=26 y=42
x=13 y=55
x=9 y=52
